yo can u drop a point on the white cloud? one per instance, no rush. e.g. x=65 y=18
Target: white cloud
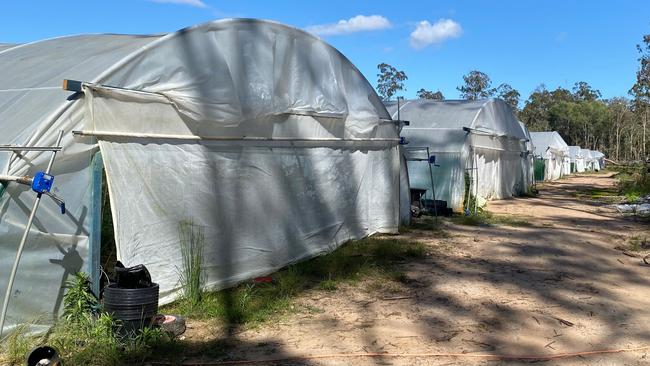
x=358 y=23
x=195 y=3
x=426 y=33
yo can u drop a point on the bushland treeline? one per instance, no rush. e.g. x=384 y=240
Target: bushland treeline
x=618 y=126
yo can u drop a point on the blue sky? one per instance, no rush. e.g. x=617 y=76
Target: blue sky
x=523 y=43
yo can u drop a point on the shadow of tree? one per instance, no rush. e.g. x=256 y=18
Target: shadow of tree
x=500 y=290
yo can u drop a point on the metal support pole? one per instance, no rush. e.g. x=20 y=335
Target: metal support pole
x=23 y=241
x=95 y=237
x=475 y=171
x=433 y=189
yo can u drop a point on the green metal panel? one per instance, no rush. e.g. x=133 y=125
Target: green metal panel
x=539 y=170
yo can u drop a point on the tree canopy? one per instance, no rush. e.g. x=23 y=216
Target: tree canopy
x=477 y=85
x=389 y=81
x=617 y=126
x=428 y=94
x=509 y=95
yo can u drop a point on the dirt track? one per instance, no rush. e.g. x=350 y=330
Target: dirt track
x=553 y=287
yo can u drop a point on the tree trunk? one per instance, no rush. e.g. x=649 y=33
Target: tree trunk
x=645 y=121
x=618 y=139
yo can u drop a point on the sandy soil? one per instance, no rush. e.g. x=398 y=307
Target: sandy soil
x=553 y=287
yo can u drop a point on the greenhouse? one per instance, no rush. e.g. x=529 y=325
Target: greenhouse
x=529 y=159
x=592 y=162
x=600 y=159
x=479 y=148
x=577 y=159
x=551 y=154
x=260 y=137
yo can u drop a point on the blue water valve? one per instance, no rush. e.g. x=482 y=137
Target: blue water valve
x=42 y=182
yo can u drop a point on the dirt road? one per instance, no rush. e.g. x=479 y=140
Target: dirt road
x=553 y=287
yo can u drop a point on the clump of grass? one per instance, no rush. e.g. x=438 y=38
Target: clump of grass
x=633 y=181
x=328 y=285
x=426 y=223
x=16 y=346
x=600 y=193
x=486 y=218
x=79 y=302
x=530 y=193
x=252 y=303
x=192 y=244
x=603 y=195
x=86 y=336
x=638 y=243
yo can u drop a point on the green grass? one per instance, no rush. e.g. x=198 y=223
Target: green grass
x=638 y=243
x=427 y=223
x=633 y=181
x=192 y=244
x=16 y=346
x=530 y=193
x=603 y=195
x=599 y=193
x=485 y=218
x=86 y=336
x=251 y=303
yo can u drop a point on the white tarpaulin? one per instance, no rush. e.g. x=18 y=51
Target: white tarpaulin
x=600 y=159
x=577 y=159
x=590 y=160
x=266 y=137
x=529 y=161
x=481 y=140
x=550 y=147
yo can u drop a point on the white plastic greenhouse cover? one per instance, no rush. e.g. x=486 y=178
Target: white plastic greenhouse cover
x=590 y=160
x=6 y=46
x=310 y=160
x=599 y=159
x=551 y=147
x=577 y=158
x=496 y=139
x=529 y=161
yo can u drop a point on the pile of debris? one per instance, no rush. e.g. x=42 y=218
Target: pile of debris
x=639 y=207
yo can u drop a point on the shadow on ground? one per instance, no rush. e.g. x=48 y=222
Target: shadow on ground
x=554 y=286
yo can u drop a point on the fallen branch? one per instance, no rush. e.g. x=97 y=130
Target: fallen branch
x=626 y=252
x=630 y=254
x=398 y=298
x=548 y=345
x=563 y=321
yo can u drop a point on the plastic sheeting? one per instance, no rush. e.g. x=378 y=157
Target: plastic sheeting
x=6 y=46
x=477 y=140
x=600 y=159
x=326 y=172
x=528 y=163
x=33 y=108
x=590 y=161
x=551 y=147
x=594 y=160
x=577 y=159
